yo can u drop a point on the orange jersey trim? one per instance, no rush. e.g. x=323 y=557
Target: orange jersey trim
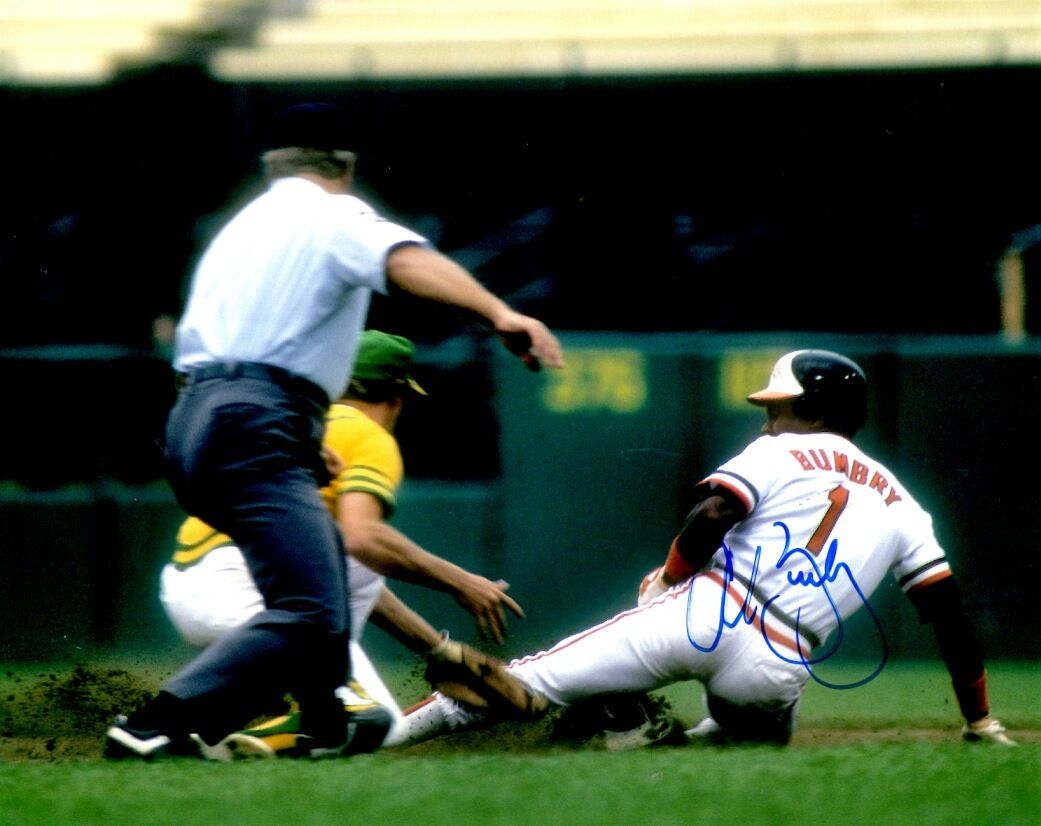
x=934 y=578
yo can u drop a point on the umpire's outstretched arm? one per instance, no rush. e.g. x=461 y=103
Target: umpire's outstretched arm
x=429 y=274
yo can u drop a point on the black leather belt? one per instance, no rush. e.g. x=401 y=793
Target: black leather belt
x=253 y=370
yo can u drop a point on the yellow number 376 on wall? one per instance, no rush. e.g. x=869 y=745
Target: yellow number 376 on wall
x=598 y=379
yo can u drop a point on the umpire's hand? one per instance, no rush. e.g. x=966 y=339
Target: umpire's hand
x=529 y=339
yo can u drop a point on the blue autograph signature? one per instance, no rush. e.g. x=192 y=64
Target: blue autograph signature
x=814 y=578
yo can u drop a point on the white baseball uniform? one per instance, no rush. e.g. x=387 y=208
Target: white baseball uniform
x=825 y=522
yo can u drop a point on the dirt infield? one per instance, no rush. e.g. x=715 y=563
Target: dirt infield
x=62 y=716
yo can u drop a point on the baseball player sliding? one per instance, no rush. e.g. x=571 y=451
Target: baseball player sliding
x=785 y=542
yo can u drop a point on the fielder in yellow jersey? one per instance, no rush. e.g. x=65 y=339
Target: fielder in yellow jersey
x=206 y=588
x=372 y=463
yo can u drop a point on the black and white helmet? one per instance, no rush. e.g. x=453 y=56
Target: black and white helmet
x=823 y=385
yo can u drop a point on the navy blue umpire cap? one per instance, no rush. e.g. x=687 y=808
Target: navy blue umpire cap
x=311 y=126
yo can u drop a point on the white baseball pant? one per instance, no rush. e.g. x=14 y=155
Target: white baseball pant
x=206 y=600
x=751 y=691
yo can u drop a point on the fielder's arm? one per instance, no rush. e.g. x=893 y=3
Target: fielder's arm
x=940 y=605
x=393 y=616
x=429 y=274
x=454 y=668
x=387 y=551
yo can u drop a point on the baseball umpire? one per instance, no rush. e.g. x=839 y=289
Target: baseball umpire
x=206 y=588
x=786 y=541
x=267 y=338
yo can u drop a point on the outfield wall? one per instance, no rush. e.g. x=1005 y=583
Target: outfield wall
x=593 y=472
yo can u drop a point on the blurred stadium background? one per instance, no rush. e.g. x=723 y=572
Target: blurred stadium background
x=683 y=188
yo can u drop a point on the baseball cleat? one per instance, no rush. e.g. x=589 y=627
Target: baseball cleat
x=122 y=741
x=458 y=716
x=704 y=732
x=365 y=731
x=237 y=746
x=987 y=730
x=272 y=738
x=652 y=733
x=367 y=724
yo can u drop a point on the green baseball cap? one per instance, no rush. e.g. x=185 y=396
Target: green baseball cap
x=385 y=357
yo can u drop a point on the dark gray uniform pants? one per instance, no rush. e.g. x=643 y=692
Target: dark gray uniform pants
x=243 y=454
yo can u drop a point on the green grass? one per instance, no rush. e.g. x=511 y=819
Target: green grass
x=851 y=775
x=920 y=694
x=914 y=694
x=914 y=783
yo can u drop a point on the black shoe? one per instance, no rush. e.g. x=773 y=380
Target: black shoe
x=122 y=741
x=366 y=729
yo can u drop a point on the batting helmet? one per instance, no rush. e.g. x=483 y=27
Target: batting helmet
x=823 y=386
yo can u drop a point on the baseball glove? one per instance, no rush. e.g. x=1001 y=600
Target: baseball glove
x=479 y=681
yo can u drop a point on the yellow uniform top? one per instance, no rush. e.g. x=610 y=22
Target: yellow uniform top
x=372 y=463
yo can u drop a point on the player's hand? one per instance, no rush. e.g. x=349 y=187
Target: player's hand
x=530 y=340
x=652 y=586
x=487 y=601
x=987 y=730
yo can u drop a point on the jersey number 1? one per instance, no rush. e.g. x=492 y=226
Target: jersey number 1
x=838 y=497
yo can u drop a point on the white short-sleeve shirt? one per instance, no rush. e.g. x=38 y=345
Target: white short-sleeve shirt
x=287 y=282
x=828 y=523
